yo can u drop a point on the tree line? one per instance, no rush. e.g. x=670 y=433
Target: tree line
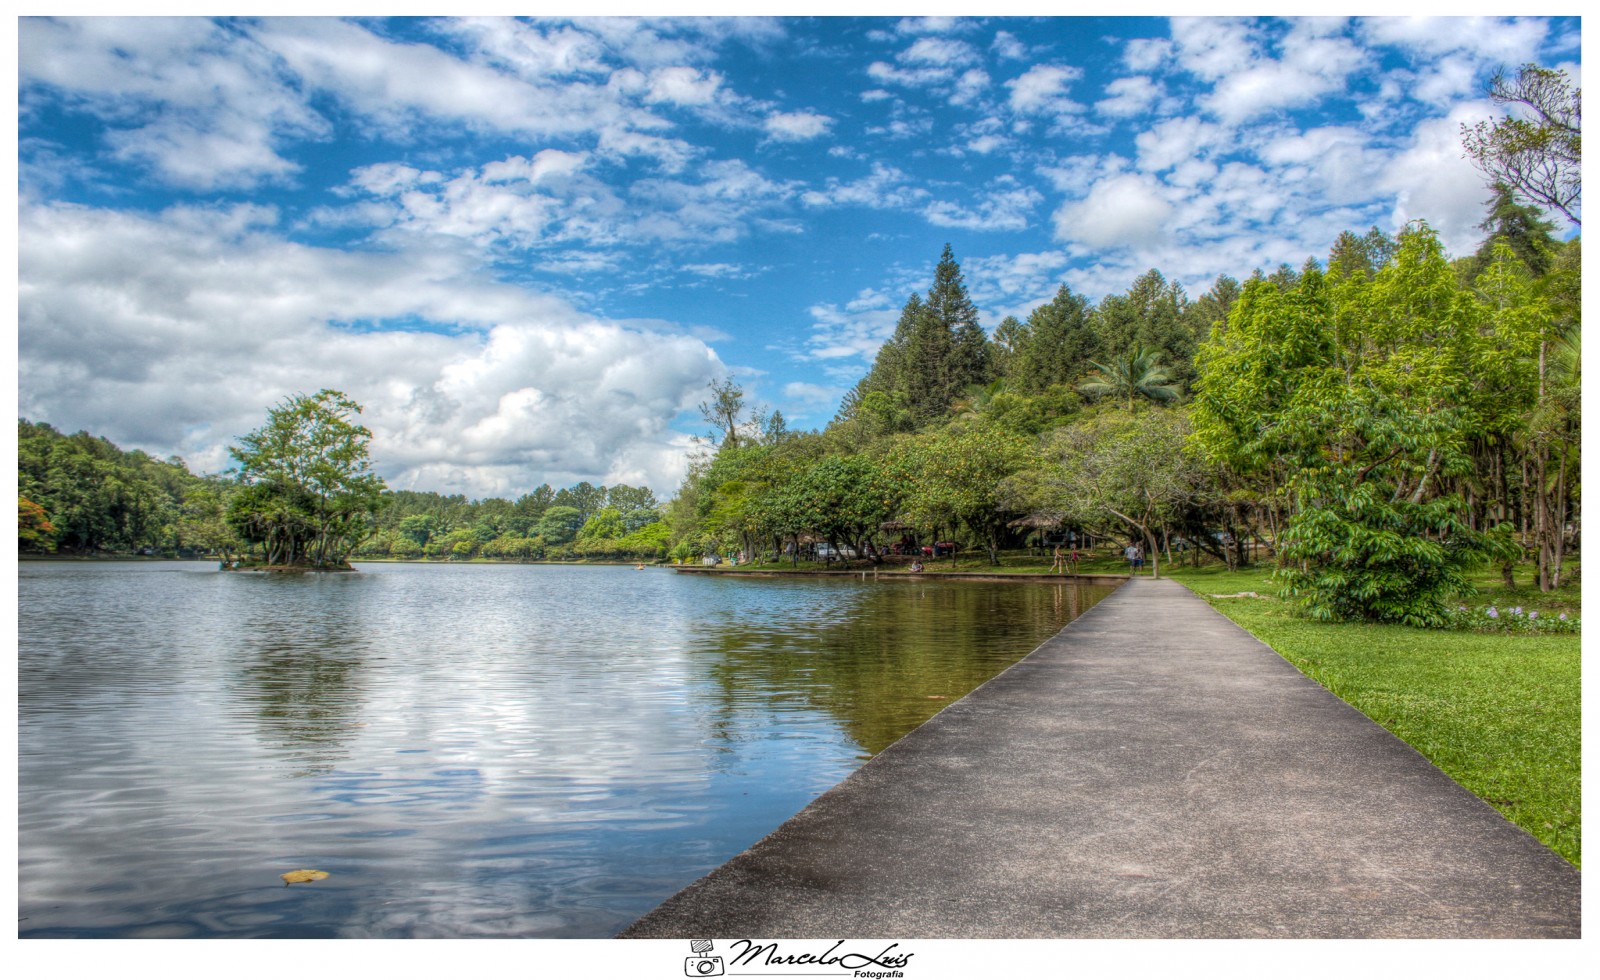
x=1378 y=422
x=303 y=494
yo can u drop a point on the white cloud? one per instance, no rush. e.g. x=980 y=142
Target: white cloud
x=1004 y=206
x=1174 y=141
x=1310 y=68
x=1147 y=53
x=201 y=106
x=813 y=394
x=846 y=340
x=175 y=332
x=1212 y=48
x=1121 y=211
x=683 y=86
x=792 y=127
x=1042 y=90
x=1502 y=40
x=1006 y=45
x=884 y=72
x=1129 y=96
x=554 y=198
x=1430 y=181
x=939 y=51
x=884 y=187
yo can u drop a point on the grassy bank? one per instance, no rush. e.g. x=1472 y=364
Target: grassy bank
x=1500 y=713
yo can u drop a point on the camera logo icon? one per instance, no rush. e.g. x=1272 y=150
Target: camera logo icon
x=702 y=963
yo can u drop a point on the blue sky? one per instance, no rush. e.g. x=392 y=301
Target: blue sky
x=527 y=246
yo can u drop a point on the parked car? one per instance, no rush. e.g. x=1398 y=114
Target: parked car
x=827 y=552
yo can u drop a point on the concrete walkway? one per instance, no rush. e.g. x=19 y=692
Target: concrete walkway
x=1151 y=771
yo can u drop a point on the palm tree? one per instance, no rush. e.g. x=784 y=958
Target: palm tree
x=1138 y=373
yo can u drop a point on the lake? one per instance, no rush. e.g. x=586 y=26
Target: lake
x=467 y=750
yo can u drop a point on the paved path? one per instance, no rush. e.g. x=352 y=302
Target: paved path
x=1151 y=771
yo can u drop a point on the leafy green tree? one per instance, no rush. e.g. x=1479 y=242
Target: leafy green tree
x=604 y=526
x=950 y=478
x=203 y=523
x=310 y=490
x=724 y=411
x=1151 y=315
x=1355 y=397
x=585 y=497
x=841 y=499
x=419 y=528
x=1115 y=473
x=560 y=524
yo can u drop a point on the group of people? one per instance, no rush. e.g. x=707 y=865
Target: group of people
x=1067 y=561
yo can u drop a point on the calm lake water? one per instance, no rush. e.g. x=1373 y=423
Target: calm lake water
x=475 y=750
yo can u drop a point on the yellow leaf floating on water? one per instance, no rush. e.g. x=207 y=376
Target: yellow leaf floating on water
x=295 y=877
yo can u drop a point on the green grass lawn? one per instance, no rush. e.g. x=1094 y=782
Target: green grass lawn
x=1500 y=713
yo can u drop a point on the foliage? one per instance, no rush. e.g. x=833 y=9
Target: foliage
x=95 y=497
x=1115 y=474
x=1355 y=399
x=560 y=524
x=1138 y=373
x=34 y=530
x=952 y=477
x=309 y=490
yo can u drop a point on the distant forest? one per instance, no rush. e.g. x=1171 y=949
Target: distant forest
x=80 y=495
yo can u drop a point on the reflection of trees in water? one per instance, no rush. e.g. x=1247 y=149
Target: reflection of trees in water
x=302 y=684
x=887 y=657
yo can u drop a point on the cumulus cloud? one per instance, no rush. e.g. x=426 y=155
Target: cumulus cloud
x=554 y=197
x=1120 y=211
x=884 y=187
x=794 y=127
x=1174 y=141
x=1042 y=90
x=1005 y=206
x=1430 y=181
x=175 y=332
x=1130 y=96
x=1493 y=39
x=201 y=106
x=1312 y=65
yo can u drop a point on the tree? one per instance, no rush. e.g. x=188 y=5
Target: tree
x=1355 y=400
x=724 y=409
x=34 y=530
x=1137 y=374
x=1057 y=344
x=560 y=524
x=1116 y=471
x=951 y=477
x=309 y=488
x=1539 y=155
x=1152 y=314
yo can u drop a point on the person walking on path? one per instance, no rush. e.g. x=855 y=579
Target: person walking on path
x=1060 y=564
x=1131 y=552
